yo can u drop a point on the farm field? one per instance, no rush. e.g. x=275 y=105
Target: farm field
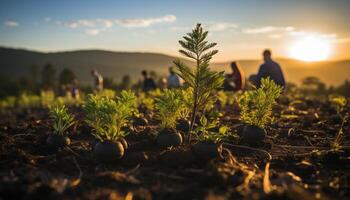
x=297 y=146
x=174 y=100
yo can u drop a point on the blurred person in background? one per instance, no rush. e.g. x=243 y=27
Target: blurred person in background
x=148 y=82
x=269 y=68
x=163 y=83
x=75 y=90
x=236 y=80
x=173 y=79
x=98 y=81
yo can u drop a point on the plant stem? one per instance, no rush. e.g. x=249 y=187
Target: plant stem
x=195 y=104
x=193 y=117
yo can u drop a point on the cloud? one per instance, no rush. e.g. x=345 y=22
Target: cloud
x=267 y=29
x=47 y=19
x=94 y=27
x=276 y=32
x=107 y=23
x=302 y=33
x=80 y=23
x=92 y=32
x=145 y=22
x=211 y=27
x=180 y=28
x=221 y=26
x=275 y=36
x=11 y=23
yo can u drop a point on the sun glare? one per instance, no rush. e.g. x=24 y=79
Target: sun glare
x=310 y=49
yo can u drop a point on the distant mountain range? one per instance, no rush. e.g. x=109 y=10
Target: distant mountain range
x=15 y=63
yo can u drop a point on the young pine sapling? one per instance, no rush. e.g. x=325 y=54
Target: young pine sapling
x=107 y=117
x=256 y=110
x=62 y=120
x=201 y=79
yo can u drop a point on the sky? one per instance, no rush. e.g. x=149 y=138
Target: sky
x=242 y=29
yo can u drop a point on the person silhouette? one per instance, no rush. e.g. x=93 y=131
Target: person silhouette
x=269 y=68
x=98 y=80
x=173 y=79
x=148 y=82
x=236 y=80
x=75 y=90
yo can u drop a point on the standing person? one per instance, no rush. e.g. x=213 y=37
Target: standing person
x=236 y=80
x=98 y=81
x=75 y=90
x=173 y=79
x=148 y=82
x=271 y=69
x=163 y=83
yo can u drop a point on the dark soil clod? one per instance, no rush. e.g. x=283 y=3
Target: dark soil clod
x=169 y=138
x=253 y=135
x=56 y=142
x=108 y=151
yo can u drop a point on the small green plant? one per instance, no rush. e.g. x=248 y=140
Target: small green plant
x=339 y=102
x=187 y=102
x=7 y=102
x=206 y=135
x=201 y=79
x=222 y=98
x=147 y=101
x=107 y=116
x=154 y=93
x=169 y=106
x=28 y=101
x=256 y=105
x=107 y=93
x=47 y=98
x=339 y=137
x=62 y=120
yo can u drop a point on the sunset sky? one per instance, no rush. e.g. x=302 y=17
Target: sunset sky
x=308 y=30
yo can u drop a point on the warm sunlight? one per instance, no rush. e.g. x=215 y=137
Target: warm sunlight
x=311 y=48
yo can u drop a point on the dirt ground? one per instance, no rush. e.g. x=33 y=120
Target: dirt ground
x=294 y=162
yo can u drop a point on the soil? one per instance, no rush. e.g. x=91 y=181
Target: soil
x=296 y=148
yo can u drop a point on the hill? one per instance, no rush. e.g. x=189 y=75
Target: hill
x=15 y=63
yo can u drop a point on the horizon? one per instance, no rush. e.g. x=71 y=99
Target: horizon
x=241 y=29
x=170 y=55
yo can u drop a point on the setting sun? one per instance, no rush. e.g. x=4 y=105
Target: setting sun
x=311 y=48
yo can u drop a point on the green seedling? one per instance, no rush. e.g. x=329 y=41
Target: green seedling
x=107 y=93
x=222 y=98
x=148 y=103
x=339 y=102
x=206 y=135
x=336 y=144
x=201 y=79
x=187 y=102
x=256 y=105
x=169 y=106
x=107 y=116
x=28 y=101
x=47 y=98
x=8 y=102
x=62 y=120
